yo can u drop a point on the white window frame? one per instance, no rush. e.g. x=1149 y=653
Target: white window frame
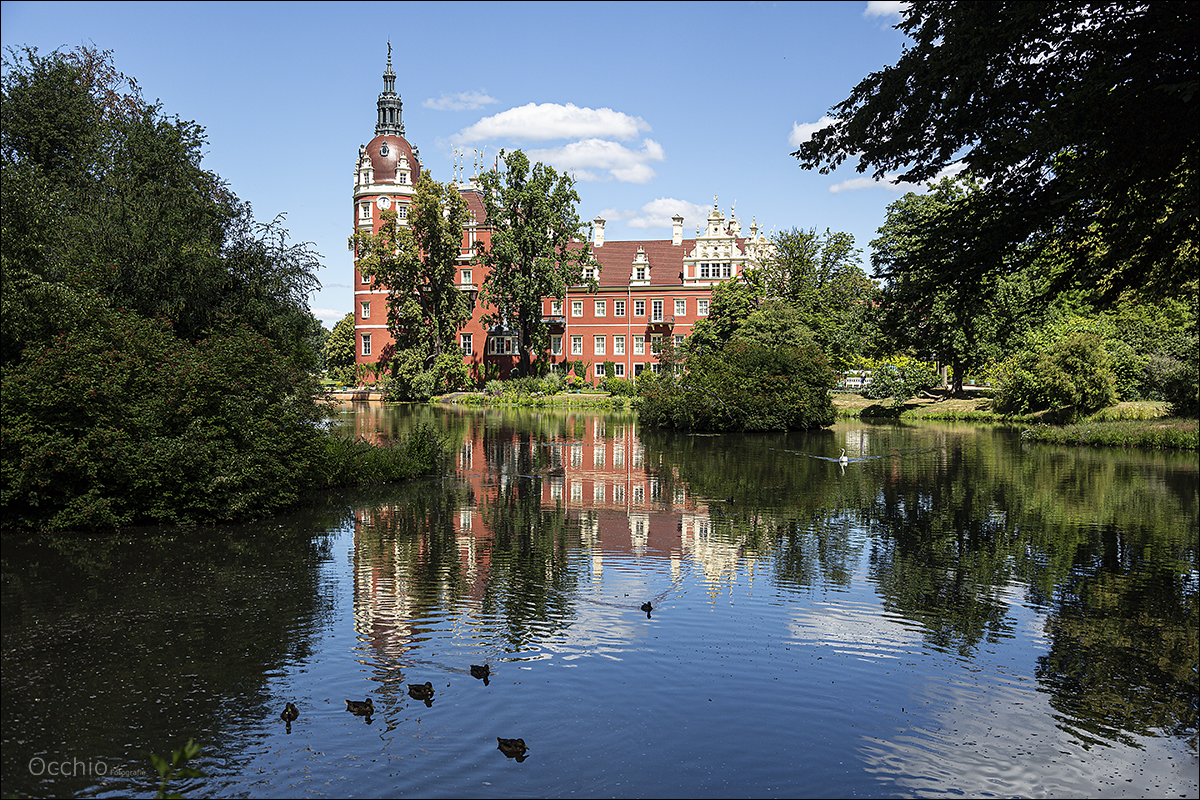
x=556 y=345
x=639 y=345
x=556 y=308
x=599 y=346
x=576 y=345
x=618 y=308
x=366 y=344
x=466 y=276
x=639 y=308
x=601 y=308
x=576 y=308
x=465 y=343
x=702 y=307
x=618 y=345
x=619 y=369
x=366 y=309
x=680 y=307
x=656 y=310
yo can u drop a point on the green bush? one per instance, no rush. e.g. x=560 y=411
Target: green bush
x=619 y=387
x=1180 y=387
x=900 y=379
x=746 y=386
x=1071 y=379
x=124 y=423
x=554 y=382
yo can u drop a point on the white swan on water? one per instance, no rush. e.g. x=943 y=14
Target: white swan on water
x=843 y=459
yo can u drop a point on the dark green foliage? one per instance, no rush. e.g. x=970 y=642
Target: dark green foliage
x=339 y=350
x=156 y=348
x=538 y=248
x=746 y=386
x=820 y=276
x=123 y=423
x=1081 y=119
x=1070 y=378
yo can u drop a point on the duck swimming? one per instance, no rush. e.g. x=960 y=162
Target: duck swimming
x=421 y=691
x=290 y=713
x=647 y=607
x=513 y=748
x=363 y=708
x=478 y=671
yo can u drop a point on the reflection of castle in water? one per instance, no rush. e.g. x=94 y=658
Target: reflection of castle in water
x=591 y=469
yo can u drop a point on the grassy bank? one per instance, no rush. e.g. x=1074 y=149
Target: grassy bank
x=593 y=400
x=1139 y=424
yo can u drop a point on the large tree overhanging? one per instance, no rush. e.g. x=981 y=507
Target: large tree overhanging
x=538 y=247
x=1081 y=118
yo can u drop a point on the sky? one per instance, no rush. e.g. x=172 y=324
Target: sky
x=655 y=108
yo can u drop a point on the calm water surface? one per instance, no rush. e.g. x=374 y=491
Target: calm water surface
x=953 y=612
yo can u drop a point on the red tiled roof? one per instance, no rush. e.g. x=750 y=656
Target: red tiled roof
x=666 y=260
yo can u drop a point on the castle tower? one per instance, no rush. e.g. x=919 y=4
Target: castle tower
x=385 y=176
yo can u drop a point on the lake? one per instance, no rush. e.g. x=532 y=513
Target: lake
x=953 y=611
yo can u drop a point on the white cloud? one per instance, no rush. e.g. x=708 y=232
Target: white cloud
x=590 y=159
x=887 y=9
x=888 y=181
x=460 y=101
x=658 y=213
x=329 y=315
x=540 y=122
x=803 y=131
x=610 y=214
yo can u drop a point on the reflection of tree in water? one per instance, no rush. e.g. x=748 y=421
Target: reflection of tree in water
x=115 y=645
x=531 y=585
x=952 y=533
x=1123 y=641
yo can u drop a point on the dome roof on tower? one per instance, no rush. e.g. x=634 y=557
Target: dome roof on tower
x=386 y=152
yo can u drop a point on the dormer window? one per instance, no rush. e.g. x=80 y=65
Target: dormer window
x=383 y=149
x=640 y=272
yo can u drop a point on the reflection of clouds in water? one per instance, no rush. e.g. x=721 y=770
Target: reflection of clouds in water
x=994 y=735
x=861 y=630
x=979 y=731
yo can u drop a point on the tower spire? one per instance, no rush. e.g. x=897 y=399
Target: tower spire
x=389 y=104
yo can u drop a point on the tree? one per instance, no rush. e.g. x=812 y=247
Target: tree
x=925 y=239
x=156 y=347
x=339 y=347
x=1080 y=117
x=820 y=276
x=417 y=264
x=538 y=248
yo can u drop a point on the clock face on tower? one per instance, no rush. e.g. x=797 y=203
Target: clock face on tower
x=384 y=203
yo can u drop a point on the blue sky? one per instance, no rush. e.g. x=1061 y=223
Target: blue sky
x=655 y=108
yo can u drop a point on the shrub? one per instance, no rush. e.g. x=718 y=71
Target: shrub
x=745 y=386
x=1180 y=387
x=554 y=382
x=900 y=379
x=1071 y=379
x=123 y=423
x=619 y=387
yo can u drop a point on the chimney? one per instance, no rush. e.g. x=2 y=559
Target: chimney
x=598 y=222
x=677 y=230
